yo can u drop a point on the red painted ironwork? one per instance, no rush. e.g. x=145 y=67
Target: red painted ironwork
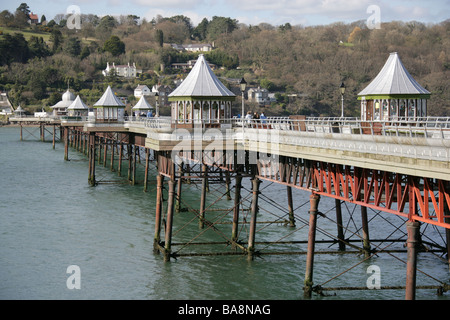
x=415 y=198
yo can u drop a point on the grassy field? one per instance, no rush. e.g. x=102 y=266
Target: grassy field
x=27 y=33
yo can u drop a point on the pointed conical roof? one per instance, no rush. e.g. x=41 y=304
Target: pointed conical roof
x=142 y=104
x=109 y=99
x=394 y=79
x=78 y=104
x=201 y=82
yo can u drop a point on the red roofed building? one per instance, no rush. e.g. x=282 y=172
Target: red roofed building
x=34 y=19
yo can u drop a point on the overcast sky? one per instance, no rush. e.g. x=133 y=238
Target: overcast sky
x=253 y=12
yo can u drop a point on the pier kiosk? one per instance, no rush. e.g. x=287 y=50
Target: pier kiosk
x=200 y=99
x=393 y=94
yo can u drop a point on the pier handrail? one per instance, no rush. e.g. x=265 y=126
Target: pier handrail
x=427 y=127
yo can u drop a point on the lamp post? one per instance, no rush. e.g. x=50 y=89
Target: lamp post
x=243 y=85
x=157 y=104
x=342 y=89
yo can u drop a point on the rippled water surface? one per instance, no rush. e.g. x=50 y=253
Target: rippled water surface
x=50 y=218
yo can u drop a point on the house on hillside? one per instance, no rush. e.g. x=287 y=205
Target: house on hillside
x=189 y=65
x=258 y=95
x=34 y=19
x=125 y=70
x=194 y=47
x=163 y=92
x=141 y=90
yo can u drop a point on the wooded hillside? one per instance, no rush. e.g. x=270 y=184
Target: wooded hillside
x=303 y=65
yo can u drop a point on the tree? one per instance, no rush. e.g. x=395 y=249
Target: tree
x=57 y=38
x=6 y=18
x=104 y=28
x=114 y=45
x=13 y=49
x=85 y=52
x=160 y=37
x=72 y=47
x=38 y=47
x=220 y=25
x=201 y=30
x=22 y=15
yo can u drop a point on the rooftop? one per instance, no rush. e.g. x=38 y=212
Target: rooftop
x=201 y=82
x=394 y=79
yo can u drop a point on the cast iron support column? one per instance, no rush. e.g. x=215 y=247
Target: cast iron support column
x=158 y=210
x=314 y=203
x=119 y=166
x=66 y=143
x=447 y=232
x=54 y=133
x=179 y=184
x=91 y=177
x=365 y=231
x=169 y=222
x=412 y=245
x=237 y=201
x=290 y=207
x=254 y=209
x=147 y=159
x=227 y=182
x=340 y=228
x=201 y=222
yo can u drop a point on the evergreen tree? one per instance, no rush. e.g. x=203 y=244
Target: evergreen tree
x=114 y=45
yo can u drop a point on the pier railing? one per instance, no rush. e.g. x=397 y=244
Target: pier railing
x=429 y=127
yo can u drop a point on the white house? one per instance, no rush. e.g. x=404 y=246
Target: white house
x=194 y=47
x=258 y=95
x=141 y=90
x=124 y=70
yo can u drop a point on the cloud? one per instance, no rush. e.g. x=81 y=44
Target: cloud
x=165 y=4
x=300 y=11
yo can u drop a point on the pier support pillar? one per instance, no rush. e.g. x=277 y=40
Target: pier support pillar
x=340 y=228
x=227 y=183
x=237 y=201
x=254 y=212
x=290 y=207
x=158 y=209
x=66 y=143
x=179 y=185
x=314 y=203
x=111 y=161
x=169 y=221
x=447 y=232
x=91 y=177
x=365 y=231
x=201 y=222
x=147 y=160
x=412 y=245
x=54 y=136
x=119 y=166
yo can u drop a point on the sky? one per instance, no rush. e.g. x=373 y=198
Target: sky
x=252 y=12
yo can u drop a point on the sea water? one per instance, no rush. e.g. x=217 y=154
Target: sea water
x=51 y=219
